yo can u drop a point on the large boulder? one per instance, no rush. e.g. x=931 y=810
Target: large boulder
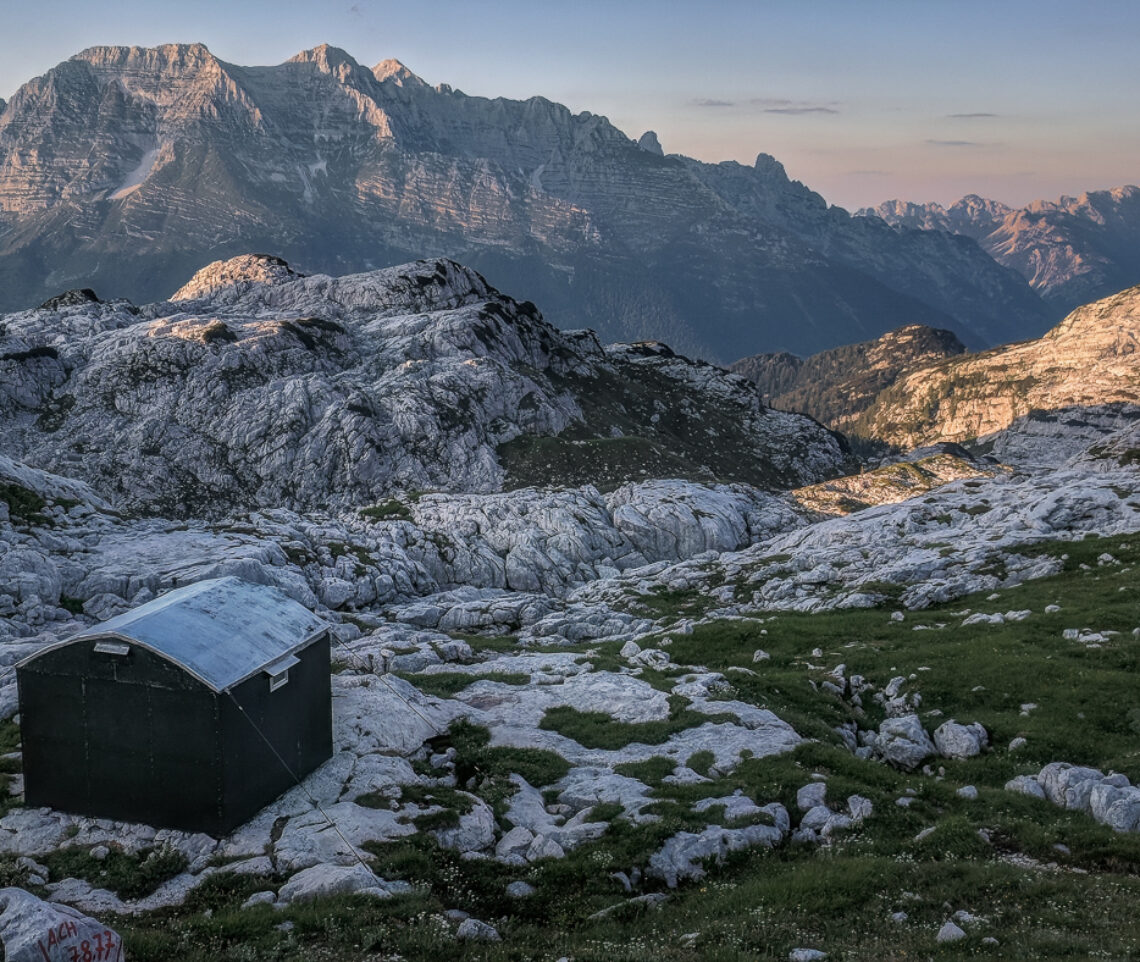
x=33 y=930
x=321 y=880
x=904 y=742
x=1069 y=786
x=960 y=741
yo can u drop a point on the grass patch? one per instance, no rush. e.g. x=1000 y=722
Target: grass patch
x=24 y=505
x=675 y=603
x=701 y=762
x=607 y=463
x=651 y=771
x=74 y=605
x=128 y=876
x=487 y=769
x=593 y=729
x=491 y=644
x=390 y=510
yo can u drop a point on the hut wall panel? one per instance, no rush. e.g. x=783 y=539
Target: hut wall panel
x=296 y=720
x=126 y=737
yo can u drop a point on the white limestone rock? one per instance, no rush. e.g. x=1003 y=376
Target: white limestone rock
x=682 y=855
x=1025 y=785
x=735 y=807
x=475 y=831
x=1069 y=786
x=335 y=836
x=950 y=933
x=322 y=880
x=811 y=795
x=514 y=842
x=960 y=741
x=260 y=898
x=904 y=742
x=859 y=808
x=32 y=930
x=472 y=930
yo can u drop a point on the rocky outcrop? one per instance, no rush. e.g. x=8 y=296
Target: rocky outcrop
x=256 y=386
x=1102 y=436
x=836 y=386
x=1072 y=250
x=1090 y=359
x=900 y=550
x=121 y=169
x=891 y=483
x=1110 y=799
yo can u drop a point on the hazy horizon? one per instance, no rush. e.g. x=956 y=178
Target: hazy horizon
x=861 y=102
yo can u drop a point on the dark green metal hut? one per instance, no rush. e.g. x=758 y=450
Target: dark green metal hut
x=192 y=711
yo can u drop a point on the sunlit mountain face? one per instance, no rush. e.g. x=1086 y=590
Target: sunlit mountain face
x=124 y=169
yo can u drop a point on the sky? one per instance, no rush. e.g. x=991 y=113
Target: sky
x=862 y=100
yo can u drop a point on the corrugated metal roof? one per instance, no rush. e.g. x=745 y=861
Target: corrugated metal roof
x=222 y=631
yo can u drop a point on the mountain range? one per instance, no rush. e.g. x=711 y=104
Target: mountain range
x=125 y=169
x=1071 y=251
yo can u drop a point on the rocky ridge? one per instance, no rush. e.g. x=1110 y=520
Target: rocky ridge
x=1089 y=360
x=1072 y=250
x=836 y=386
x=257 y=386
x=124 y=169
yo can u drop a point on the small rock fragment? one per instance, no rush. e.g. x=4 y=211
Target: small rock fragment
x=949 y=933
x=811 y=795
x=476 y=931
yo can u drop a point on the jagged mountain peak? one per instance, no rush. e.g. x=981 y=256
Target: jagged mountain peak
x=768 y=165
x=648 y=141
x=394 y=71
x=329 y=58
x=1072 y=250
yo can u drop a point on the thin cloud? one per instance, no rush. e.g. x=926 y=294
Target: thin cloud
x=792 y=111
x=771 y=105
x=975 y=116
x=781 y=105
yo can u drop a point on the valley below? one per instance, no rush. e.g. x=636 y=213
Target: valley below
x=626 y=663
